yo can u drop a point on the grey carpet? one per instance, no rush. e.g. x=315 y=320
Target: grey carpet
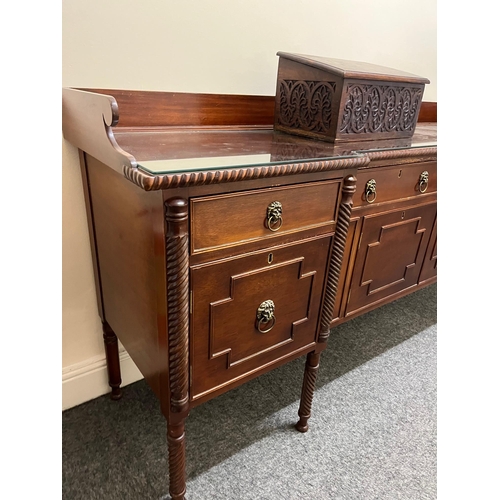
x=372 y=433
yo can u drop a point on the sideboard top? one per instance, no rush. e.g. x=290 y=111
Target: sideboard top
x=165 y=156
x=190 y=150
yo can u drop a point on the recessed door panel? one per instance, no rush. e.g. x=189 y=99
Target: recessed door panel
x=252 y=310
x=391 y=250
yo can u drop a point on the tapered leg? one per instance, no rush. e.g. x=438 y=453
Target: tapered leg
x=112 y=361
x=332 y=279
x=177 y=460
x=310 y=374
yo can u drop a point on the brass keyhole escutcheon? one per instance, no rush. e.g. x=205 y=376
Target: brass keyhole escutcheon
x=403 y=215
x=274 y=218
x=270 y=258
x=265 y=319
x=371 y=191
x=423 y=181
x=400 y=174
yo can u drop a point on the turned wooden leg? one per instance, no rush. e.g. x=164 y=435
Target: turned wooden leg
x=332 y=279
x=175 y=401
x=310 y=374
x=112 y=361
x=177 y=460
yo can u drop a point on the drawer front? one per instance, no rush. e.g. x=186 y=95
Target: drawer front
x=391 y=251
x=230 y=336
x=394 y=183
x=238 y=218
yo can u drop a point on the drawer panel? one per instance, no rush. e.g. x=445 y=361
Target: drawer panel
x=238 y=218
x=228 y=340
x=394 y=183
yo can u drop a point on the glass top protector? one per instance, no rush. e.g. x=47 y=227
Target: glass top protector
x=430 y=144
x=196 y=153
x=180 y=165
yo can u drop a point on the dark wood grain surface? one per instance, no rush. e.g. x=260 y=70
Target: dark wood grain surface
x=170 y=109
x=127 y=222
x=353 y=69
x=174 y=143
x=357 y=246
x=234 y=219
x=429 y=266
x=391 y=251
x=336 y=257
x=139 y=108
x=337 y=100
x=394 y=183
x=428 y=112
x=87 y=121
x=185 y=264
x=225 y=343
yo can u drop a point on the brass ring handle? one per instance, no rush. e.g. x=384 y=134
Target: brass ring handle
x=273 y=224
x=261 y=321
x=423 y=182
x=265 y=316
x=274 y=218
x=371 y=191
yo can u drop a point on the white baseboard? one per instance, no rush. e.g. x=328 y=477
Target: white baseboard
x=84 y=381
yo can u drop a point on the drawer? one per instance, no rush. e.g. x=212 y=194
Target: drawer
x=395 y=182
x=231 y=336
x=237 y=218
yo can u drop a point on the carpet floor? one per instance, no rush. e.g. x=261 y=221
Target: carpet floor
x=372 y=433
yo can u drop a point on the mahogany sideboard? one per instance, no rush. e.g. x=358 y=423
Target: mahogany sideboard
x=223 y=248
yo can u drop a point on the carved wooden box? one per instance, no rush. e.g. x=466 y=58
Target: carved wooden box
x=339 y=100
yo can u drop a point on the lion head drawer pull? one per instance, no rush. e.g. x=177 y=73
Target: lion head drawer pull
x=371 y=191
x=265 y=317
x=274 y=216
x=423 y=182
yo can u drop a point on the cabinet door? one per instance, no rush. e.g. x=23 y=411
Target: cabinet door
x=228 y=341
x=390 y=254
x=429 y=267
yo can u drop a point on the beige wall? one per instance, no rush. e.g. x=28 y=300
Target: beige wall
x=209 y=46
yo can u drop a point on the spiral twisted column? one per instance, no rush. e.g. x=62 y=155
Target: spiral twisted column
x=334 y=266
x=177 y=265
x=336 y=256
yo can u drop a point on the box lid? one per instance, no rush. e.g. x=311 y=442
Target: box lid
x=354 y=69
